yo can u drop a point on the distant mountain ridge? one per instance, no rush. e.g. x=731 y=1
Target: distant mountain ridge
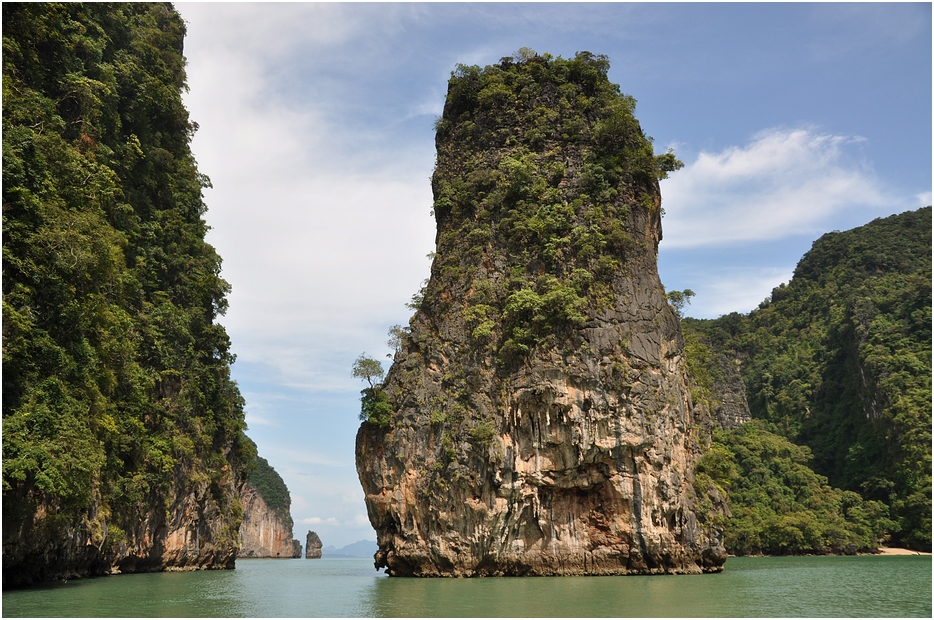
x=359 y=549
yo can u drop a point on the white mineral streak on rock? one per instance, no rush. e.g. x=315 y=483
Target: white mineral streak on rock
x=263 y=533
x=574 y=457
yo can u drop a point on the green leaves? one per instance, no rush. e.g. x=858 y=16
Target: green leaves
x=667 y=163
x=779 y=505
x=839 y=359
x=482 y=320
x=114 y=370
x=374 y=403
x=49 y=446
x=530 y=316
x=680 y=299
x=369 y=369
x=375 y=407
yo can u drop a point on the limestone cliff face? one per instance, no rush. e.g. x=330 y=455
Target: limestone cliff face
x=193 y=527
x=729 y=389
x=541 y=422
x=312 y=546
x=264 y=533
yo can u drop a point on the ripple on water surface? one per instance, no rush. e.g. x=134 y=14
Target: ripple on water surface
x=749 y=587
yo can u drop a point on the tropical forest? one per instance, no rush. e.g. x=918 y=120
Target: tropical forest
x=836 y=367
x=119 y=413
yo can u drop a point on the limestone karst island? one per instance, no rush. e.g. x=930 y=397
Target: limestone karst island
x=123 y=434
x=546 y=413
x=548 y=410
x=539 y=417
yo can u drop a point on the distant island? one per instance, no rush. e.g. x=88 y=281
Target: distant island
x=266 y=529
x=359 y=549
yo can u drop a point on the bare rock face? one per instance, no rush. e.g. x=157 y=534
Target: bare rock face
x=193 y=527
x=264 y=533
x=197 y=535
x=732 y=407
x=312 y=546
x=540 y=417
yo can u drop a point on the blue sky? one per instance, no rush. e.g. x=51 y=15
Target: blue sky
x=316 y=130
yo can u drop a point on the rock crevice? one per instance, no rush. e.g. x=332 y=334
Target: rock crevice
x=263 y=532
x=542 y=420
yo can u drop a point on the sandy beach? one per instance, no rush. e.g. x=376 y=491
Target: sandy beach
x=897 y=551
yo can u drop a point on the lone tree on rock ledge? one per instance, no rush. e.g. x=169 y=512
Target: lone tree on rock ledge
x=369 y=369
x=374 y=404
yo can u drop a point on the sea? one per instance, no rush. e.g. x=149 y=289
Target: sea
x=859 y=586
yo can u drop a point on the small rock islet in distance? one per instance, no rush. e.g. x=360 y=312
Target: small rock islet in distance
x=312 y=546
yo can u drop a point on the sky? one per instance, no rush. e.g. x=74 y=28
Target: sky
x=316 y=130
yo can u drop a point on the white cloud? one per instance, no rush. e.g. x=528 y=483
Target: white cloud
x=361 y=520
x=323 y=241
x=744 y=289
x=319 y=520
x=784 y=182
x=264 y=29
x=323 y=236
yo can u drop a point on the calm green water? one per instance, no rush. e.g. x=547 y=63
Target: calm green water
x=810 y=586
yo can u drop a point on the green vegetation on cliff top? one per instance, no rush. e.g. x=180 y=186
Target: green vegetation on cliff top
x=271 y=487
x=540 y=161
x=839 y=360
x=116 y=377
x=532 y=156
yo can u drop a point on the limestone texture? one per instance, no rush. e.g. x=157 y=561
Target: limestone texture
x=731 y=409
x=312 y=546
x=541 y=418
x=264 y=533
x=196 y=529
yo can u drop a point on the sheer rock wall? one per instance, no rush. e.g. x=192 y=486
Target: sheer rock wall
x=263 y=533
x=556 y=437
x=197 y=530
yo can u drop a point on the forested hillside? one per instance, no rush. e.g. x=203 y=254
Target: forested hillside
x=839 y=360
x=122 y=430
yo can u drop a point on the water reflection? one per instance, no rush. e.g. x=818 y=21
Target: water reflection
x=753 y=587
x=637 y=596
